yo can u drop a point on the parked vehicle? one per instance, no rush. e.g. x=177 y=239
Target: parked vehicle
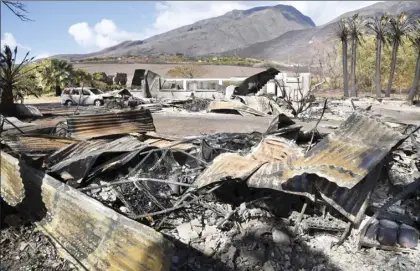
x=82 y=96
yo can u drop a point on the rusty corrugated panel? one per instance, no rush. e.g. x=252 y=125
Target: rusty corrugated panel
x=102 y=124
x=234 y=166
x=163 y=143
x=78 y=165
x=29 y=144
x=233 y=105
x=344 y=165
x=346 y=156
x=74 y=149
x=94 y=236
x=228 y=166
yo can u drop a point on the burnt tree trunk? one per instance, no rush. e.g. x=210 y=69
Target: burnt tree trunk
x=345 y=72
x=353 y=68
x=57 y=90
x=393 y=63
x=7 y=106
x=416 y=79
x=378 y=68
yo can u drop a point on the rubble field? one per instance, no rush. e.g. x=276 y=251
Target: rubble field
x=243 y=185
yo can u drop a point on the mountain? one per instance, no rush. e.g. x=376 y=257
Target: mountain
x=235 y=29
x=301 y=46
x=279 y=33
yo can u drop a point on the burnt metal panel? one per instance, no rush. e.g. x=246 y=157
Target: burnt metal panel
x=163 y=143
x=343 y=167
x=78 y=164
x=103 y=124
x=255 y=82
x=235 y=166
x=233 y=105
x=37 y=144
x=346 y=156
x=92 y=235
x=261 y=104
x=228 y=166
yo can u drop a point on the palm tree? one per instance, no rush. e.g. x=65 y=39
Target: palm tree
x=81 y=77
x=399 y=29
x=12 y=78
x=356 y=24
x=379 y=25
x=342 y=32
x=55 y=75
x=415 y=39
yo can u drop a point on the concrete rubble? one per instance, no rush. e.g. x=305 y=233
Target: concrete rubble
x=288 y=198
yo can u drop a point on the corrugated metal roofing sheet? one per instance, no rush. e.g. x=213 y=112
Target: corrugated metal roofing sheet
x=217 y=106
x=78 y=164
x=30 y=144
x=92 y=235
x=346 y=156
x=261 y=104
x=339 y=163
x=102 y=124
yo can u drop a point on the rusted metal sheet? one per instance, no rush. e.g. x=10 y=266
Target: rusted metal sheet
x=30 y=144
x=5 y=125
x=233 y=105
x=94 y=236
x=346 y=156
x=103 y=124
x=78 y=164
x=228 y=166
x=235 y=166
x=343 y=165
x=163 y=143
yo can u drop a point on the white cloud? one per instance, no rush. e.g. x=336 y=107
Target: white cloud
x=10 y=40
x=104 y=34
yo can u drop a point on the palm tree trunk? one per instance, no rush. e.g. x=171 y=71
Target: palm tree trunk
x=378 y=67
x=57 y=90
x=353 y=69
x=345 y=72
x=7 y=106
x=415 y=80
x=393 y=63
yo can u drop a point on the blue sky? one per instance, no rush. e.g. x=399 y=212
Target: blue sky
x=87 y=26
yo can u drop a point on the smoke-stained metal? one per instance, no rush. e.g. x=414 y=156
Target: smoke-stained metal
x=114 y=123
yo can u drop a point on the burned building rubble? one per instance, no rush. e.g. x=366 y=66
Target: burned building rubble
x=112 y=192
x=213 y=193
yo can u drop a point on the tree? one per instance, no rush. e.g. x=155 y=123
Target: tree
x=18 y=8
x=55 y=75
x=356 y=24
x=190 y=70
x=415 y=39
x=12 y=77
x=28 y=85
x=342 y=32
x=379 y=25
x=400 y=27
x=81 y=77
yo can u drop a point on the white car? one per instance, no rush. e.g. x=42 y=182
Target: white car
x=82 y=96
